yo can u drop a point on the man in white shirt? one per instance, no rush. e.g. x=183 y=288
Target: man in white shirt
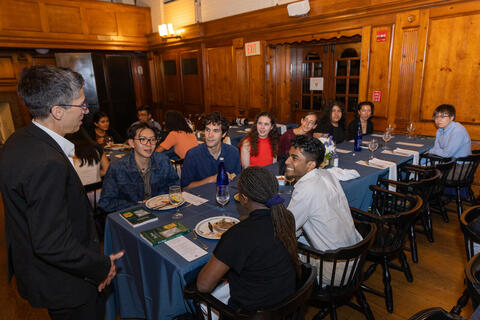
x=318 y=202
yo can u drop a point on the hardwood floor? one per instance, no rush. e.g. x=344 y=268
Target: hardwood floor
x=438 y=279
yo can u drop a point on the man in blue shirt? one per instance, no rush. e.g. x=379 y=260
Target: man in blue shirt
x=139 y=175
x=201 y=162
x=144 y=114
x=452 y=139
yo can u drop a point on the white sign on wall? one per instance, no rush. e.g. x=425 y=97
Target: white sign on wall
x=316 y=83
x=252 y=48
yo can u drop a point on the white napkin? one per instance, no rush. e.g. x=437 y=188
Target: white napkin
x=282 y=128
x=383 y=164
x=410 y=144
x=416 y=154
x=342 y=150
x=343 y=174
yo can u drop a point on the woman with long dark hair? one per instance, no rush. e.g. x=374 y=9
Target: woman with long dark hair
x=101 y=130
x=332 y=123
x=259 y=254
x=180 y=135
x=365 y=112
x=259 y=148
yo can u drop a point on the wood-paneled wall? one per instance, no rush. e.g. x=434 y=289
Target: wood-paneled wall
x=73 y=24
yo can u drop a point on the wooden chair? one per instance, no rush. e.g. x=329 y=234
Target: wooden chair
x=291 y=308
x=421 y=181
x=472 y=273
x=98 y=214
x=393 y=213
x=461 y=176
x=336 y=283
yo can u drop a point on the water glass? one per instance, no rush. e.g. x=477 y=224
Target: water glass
x=411 y=130
x=222 y=196
x=372 y=146
x=387 y=136
x=176 y=199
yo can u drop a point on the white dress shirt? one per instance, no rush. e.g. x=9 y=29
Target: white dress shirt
x=67 y=147
x=321 y=209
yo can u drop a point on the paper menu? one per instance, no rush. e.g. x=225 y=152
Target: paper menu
x=193 y=199
x=186 y=248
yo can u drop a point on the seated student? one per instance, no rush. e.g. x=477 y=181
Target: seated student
x=201 y=163
x=144 y=114
x=180 y=135
x=307 y=125
x=318 y=202
x=259 y=254
x=365 y=111
x=139 y=175
x=332 y=123
x=452 y=139
x=259 y=147
x=101 y=130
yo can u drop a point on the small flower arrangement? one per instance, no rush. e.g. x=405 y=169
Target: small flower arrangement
x=327 y=141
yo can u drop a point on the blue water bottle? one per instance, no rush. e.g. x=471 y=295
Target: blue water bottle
x=222 y=176
x=358 y=138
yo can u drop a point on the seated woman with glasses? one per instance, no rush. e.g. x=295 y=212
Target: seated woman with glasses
x=180 y=135
x=258 y=255
x=139 y=175
x=452 y=139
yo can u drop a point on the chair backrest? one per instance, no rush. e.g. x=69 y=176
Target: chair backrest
x=463 y=171
x=94 y=187
x=432 y=160
x=416 y=179
x=394 y=213
x=340 y=270
x=469 y=231
x=472 y=273
x=435 y=314
x=295 y=304
x=444 y=168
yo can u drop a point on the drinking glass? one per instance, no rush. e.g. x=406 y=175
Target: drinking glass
x=411 y=130
x=389 y=128
x=108 y=141
x=372 y=146
x=176 y=198
x=222 y=196
x=387 y=136
x=289 y=180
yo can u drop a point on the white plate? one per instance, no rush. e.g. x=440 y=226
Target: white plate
x=203 y=231
x=160 y=200
x=116 y=147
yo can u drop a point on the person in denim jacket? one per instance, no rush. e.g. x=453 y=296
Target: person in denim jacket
x=138 y=176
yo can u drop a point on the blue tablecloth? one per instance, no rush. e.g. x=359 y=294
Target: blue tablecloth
x=150 y=280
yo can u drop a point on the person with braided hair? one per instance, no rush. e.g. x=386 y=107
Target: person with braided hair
x=258 y=255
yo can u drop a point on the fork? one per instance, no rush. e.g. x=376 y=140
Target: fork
x=195 y=237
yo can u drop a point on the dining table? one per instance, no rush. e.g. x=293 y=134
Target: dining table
x=150 y=279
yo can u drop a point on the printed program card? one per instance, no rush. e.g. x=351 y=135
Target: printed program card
x=186 y=248
x=193 y=199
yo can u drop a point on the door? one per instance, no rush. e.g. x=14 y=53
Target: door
x=323 y=73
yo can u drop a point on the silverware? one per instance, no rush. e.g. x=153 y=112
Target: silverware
x=195 y=237
x=210 y=227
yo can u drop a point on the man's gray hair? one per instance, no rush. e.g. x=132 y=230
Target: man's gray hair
x=42 y=87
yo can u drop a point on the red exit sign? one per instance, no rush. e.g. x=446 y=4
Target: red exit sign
x=252 y=48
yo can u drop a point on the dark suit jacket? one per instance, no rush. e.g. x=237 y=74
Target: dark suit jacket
x=52 y=245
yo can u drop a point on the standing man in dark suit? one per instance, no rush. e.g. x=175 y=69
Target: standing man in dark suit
x=52 y=245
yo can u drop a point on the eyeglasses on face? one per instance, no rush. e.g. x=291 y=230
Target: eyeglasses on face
x=441 y=116
x=84 y=106
x=145 y=140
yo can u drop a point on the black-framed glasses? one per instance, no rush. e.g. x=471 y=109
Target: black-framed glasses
x=84 y=106
x=145 y=140
x=441 y=116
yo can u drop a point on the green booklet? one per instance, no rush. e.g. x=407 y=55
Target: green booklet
x=161 y=234
x=138 y=216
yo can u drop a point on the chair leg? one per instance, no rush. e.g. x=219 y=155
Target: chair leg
x=443 y=211
x=428 y=223
x=459 y=203
x=370 y=271
x=387 y=278
x=362 y=300
x=462 y=302
x=333 y=312
x=406 y=267
x=413 y=244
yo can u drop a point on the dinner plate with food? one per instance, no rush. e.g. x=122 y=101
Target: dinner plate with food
x=161 y=202
x=116 y=147
x=214 y=227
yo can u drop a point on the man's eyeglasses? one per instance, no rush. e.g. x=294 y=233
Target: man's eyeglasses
x=84 y=106
x=145 y=140
x=441 y=116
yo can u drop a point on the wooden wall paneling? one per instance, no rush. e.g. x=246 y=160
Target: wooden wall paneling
x=365 y=63
x=220 y=78
x=242 y=78
x=20 y=16
x=7 y=69
x=256 y=82
x=280 y=101
x=171 y=76
x=141 y=80
x=452 y=70
x=101 y=22
x=191 y=81
x=63 y=18
x=132 y=24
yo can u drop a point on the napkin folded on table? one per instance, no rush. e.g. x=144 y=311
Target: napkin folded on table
x=416 y=154
x=377 y=163
x=343 y=174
